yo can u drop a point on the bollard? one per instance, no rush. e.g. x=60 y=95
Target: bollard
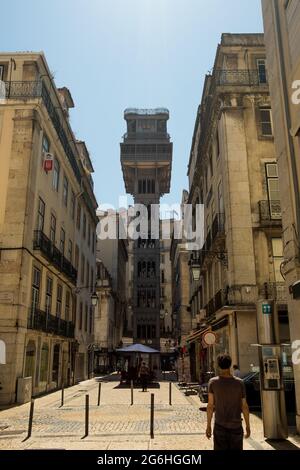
x=131 y=392
x=30 y=419
x=86 y=415
x=152 y=417
x=62 y=395
x=170 y=393
x=99 y=393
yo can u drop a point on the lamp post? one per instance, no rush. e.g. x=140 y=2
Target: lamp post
x=195 y=269
x=94 y=299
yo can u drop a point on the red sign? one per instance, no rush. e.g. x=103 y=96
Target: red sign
x=48 y=162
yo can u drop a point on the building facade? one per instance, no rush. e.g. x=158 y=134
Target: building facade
x=43 y=182
x=282 y=37
x=146 y=157
x=233 y=173
x=112 y=256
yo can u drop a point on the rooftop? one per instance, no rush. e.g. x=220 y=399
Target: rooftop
x=146 y=112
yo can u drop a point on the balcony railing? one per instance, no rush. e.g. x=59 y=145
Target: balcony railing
x=146 y=136
x=46 y=246
x=240 y=77
x=218 y=226
x=217 y=302
x=41 y=321
x=270 y=212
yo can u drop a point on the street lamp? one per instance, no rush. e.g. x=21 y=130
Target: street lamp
x=196 y=269
x=94 y=299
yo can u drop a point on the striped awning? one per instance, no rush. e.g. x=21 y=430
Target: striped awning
x=196 y=335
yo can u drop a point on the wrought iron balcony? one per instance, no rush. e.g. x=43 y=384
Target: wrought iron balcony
x=218 y=226
x=216 y=303
x=42 y=321
x=240 y=77
x=270 y=212
x=139 y=136
x=53 y=255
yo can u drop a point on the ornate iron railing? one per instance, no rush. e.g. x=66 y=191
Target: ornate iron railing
x=240 y=77
x=46 y=246
x=218 y=226
x=42 y=321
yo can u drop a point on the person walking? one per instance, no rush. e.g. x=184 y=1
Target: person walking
x=236 y=371
x=227 y=399
x=144 y=372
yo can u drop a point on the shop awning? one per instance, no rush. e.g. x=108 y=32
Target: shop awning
x=196 y=335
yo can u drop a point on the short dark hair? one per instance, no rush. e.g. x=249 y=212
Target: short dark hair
x=235 y=366
x=224 y=361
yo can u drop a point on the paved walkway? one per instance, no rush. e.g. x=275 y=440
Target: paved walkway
x=115 y=424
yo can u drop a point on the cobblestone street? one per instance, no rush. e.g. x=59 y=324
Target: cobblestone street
x=115 y=424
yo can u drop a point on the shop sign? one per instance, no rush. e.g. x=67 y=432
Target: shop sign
x=209 y=339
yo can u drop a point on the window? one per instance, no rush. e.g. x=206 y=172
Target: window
x=48 y=303
x=87 y=274
x=80 y=315
x=162 y=259
x=86 y=318
x=65 y=191
x=56 y=171
x=70 y=251
x=89 y=235
x=35 y=289
x=217 y=143
x=277 y=249
x=45 y=144
x=82 y=268
x=76 y=257
x=91 y=321
x=92 y=281
x=84 y=226
x=1 y=72
x=52 y=228
x=93 y=243
x=273 y=190
x=162 y=276
x=266 y=121
x=68 y=297
x=59 y=300
x=262 y=71
x=62 y=241
x=73 y=199
x=78 y=216
x=41 y=215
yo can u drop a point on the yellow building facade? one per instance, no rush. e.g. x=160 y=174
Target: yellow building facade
x=47 y=232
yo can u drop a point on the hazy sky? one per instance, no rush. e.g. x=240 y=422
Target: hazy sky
x=116 y=54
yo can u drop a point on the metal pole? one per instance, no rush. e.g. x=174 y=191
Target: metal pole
x=131 y=392
x=99 y=393
x=170 y=393
x=86 y=415
x=62 y=394
x=30 y=419
x=152 y=417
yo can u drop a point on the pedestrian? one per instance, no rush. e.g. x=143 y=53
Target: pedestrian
x=227 y=398
x=144 y=373
x=236 y=371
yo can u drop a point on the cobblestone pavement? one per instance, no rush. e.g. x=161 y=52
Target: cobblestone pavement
x=115 y=424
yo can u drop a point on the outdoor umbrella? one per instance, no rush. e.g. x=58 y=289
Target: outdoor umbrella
x=138 y=348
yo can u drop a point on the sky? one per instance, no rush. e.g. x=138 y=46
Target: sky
x=115 y=54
